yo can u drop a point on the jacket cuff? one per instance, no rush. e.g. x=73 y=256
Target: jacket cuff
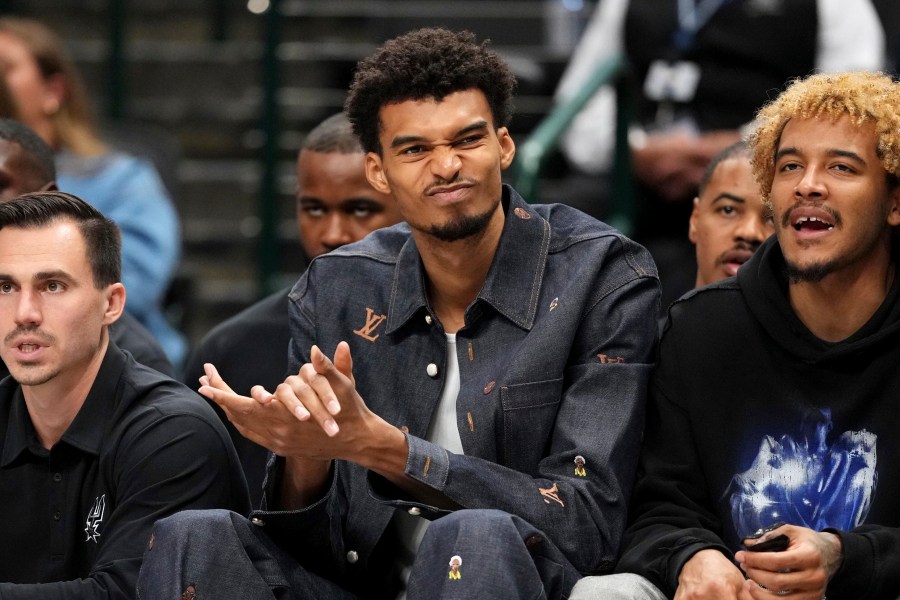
x=272 y=480
x=272 y=488
x=292 y=529
x=427 y=463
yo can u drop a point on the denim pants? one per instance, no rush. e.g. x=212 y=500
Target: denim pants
x=220 y=555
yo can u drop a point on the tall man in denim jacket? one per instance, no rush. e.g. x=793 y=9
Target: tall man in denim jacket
x=477 y=351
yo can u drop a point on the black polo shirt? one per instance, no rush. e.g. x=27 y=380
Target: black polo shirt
x=77 y=517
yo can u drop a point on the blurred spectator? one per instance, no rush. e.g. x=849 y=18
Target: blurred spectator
x=700 y=69
x=26 y=161
x=729 y=221
x=8 y=108
x=890 y=16
x=52 y=100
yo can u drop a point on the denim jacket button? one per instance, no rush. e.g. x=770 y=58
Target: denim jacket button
x=414 y=511
x=428 y=320
x=352 y=556
x=258 y=522
x=432 y=370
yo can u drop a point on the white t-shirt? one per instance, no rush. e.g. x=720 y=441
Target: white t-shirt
x=444 y=432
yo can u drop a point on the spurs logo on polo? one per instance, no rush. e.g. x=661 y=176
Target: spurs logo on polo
x=95 y=518
x=373 y=320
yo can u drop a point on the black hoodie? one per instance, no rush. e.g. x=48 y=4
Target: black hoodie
x=754 y=420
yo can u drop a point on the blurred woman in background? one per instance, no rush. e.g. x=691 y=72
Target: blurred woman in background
x=51 y=99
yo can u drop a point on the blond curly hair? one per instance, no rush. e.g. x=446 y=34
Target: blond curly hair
x=864 y=96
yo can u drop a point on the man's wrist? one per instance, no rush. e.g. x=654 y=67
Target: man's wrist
x=832 y=550
x=386 y=453
x=303 y=482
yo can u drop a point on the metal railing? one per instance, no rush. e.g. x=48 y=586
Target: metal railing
x=531 y=157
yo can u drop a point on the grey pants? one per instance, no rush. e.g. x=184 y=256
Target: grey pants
x=624 y=586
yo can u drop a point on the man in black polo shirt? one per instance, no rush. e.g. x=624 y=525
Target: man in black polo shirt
x=96 y=447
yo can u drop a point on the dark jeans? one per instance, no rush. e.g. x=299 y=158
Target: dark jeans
x=218 y=555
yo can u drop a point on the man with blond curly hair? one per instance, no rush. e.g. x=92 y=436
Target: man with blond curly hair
x=770 y=450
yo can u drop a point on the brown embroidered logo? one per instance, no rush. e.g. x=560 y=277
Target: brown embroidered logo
x=551 y=494
x=372 y=322
x=604 y=359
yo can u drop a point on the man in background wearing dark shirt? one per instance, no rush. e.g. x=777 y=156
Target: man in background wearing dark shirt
x=729 y=220
x=336 y=205
x=96 y=446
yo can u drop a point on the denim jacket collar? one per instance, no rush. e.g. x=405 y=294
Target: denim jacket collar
x=513 y=282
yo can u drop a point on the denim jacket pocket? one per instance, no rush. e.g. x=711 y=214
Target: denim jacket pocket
x=529 y=413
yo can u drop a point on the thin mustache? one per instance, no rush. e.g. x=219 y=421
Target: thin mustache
x=786 y=215
x=30 y=331
x=738 y=246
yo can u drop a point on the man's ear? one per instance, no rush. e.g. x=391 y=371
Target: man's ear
x=114 y=295
x=50 y=186
x=692 y=223
x=375 y=173
x=894 y=206
x=507 y=147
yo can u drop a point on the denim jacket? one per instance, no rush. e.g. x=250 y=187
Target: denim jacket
x=553 y=359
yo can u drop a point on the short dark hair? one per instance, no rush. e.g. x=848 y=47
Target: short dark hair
x=426 y=63
x=38 y=152
x=334 y=135
x=102 y=238
x=736 y=149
